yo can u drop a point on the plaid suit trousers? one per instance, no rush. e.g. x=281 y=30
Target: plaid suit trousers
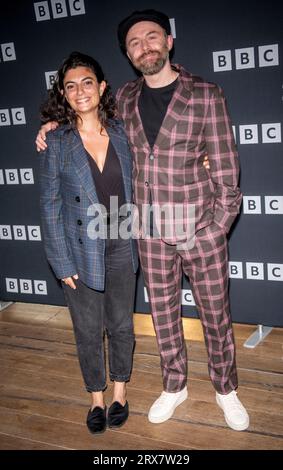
x=206 y=265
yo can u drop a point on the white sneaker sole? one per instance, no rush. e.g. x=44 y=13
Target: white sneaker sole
x=169 y=414
x=231 y=424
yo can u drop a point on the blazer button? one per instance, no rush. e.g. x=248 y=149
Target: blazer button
x=79 y=222
x=80 y=241
x=146 y=183
x=78 y=199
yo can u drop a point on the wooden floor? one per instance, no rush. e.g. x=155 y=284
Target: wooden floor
x=43 y=403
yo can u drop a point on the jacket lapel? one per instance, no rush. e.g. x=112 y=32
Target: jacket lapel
x=176 y=108
x=120 y=144
x=81 y=164
x=83 y=169
x=177 y=105
x=133 y=118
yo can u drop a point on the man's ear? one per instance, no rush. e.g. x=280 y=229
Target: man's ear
x=170 y=41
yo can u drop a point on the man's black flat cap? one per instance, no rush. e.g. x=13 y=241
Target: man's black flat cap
x=137 y=16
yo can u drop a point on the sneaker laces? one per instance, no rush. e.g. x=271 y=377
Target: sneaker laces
x=232 y=401
x=162 y=400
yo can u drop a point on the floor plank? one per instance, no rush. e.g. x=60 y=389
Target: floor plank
x=43 y=403
x=11 y=442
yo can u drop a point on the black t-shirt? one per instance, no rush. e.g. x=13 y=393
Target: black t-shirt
x=153 y=104
x=109 y=182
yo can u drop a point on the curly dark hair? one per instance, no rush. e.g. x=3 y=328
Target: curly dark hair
x=56 y=107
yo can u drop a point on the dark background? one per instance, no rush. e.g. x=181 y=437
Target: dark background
x=254 y=96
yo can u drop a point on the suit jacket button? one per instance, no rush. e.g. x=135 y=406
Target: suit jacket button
x=80 y=241
x=78 y=199
x=79 y=222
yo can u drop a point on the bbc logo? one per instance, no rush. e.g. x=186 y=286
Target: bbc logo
x=188 y=298
x=26 y=286
x=50 y=78
x=58 y=9
x=268 y=56
x=17 y=176
x=8 y=52
x=17 y=114
x=249 y=133
x=20 y=232
x=273 y=205
x=173 y=27
x=255 y=271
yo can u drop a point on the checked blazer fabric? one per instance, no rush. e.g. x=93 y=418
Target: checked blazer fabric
x=196 y=123
x=67 y=194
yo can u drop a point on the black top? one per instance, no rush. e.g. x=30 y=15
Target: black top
x=153 y=104
x=109 y=182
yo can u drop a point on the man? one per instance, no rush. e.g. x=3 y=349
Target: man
x=172 y=120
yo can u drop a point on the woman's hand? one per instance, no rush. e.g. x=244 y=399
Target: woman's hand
x=69 y=281
x=206 y=162
x=41 y=136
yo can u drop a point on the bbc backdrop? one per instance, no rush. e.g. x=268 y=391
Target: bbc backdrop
x=237 y=45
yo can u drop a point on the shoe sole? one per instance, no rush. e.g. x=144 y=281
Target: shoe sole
x=114 y=426
x=97 y=432
x=111 y=426
x=165 y=417
x=235 y=427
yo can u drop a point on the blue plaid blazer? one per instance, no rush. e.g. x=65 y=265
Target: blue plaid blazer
x=67 y=191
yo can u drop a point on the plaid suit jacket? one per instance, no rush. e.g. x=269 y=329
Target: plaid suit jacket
x=196 y=122
x=67 y=192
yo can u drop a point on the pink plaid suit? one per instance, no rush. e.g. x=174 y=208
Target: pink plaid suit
x=172 y=172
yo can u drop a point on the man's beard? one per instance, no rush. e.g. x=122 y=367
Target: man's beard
x=153 y=67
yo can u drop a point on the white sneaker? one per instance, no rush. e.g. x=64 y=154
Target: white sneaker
x=235 y=413
x=164 y=407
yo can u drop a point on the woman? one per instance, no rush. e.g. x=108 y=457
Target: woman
x=87 y=162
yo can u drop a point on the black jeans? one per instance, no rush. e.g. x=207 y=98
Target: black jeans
x=94 y=311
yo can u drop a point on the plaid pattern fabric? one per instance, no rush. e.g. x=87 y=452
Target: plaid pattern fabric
x=196 y=122
x=206 y=265
x=67 y=192
x=172 y=172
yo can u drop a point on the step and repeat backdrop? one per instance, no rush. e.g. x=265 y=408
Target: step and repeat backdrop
x=237 y=45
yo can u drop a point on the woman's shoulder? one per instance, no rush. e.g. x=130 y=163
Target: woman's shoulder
x=58 y=135
x=117 y=125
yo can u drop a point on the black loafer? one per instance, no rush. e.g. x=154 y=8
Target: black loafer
x=118 y=414
x=96 y=420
